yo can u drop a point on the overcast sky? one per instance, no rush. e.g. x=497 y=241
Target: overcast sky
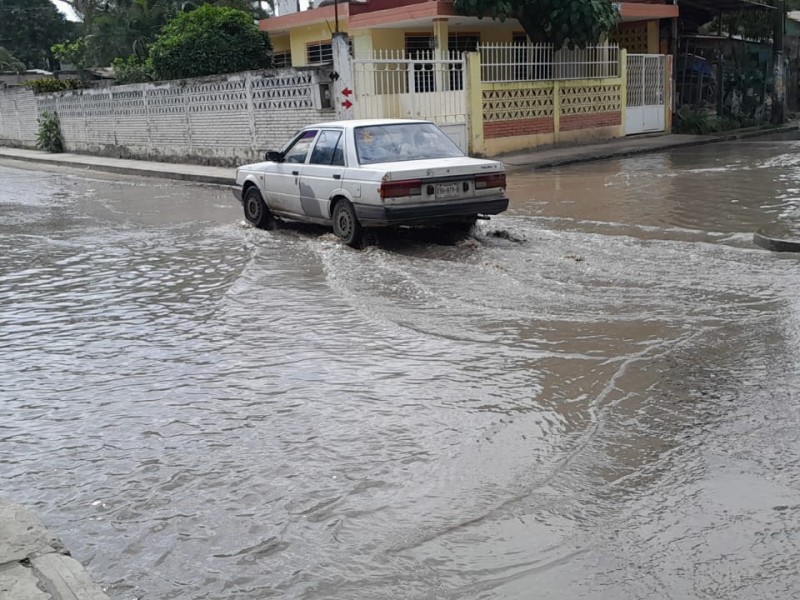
x=66 y=10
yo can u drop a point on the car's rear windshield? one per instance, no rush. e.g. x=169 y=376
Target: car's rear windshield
x=403 y=141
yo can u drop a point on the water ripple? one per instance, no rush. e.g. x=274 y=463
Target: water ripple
x=564 y=401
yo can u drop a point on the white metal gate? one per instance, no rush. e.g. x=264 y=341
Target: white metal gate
x=393 y=86
x=646 y=93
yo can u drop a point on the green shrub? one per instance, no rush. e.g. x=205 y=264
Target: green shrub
x=208 y=41
x=696 y=122
x=48 y=86
x=74 y=53
x=699 y=122
x=132 y=70
x=49 y=136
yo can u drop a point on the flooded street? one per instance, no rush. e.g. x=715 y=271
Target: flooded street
x=595 y=396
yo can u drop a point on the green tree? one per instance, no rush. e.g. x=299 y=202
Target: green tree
x=125 y=28
x=88 y=10
x=28 y=28
x=9 y=62
x=207 y=41
x=559 y=22
x=755 y=23
x=132 y=70
x=255 y=7
x=73 y=53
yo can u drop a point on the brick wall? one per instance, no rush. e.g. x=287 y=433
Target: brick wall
x=223 y=120
x=590 y=121
x=499 y=129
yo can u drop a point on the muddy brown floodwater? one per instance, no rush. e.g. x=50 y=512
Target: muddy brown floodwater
x=596 y=396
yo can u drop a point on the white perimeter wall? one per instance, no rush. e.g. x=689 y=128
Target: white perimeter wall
x=228 y=119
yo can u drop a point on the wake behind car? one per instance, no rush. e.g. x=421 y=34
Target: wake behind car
x=371 y=173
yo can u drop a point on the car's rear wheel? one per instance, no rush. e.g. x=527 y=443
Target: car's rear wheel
x=256 y=210
x=346 y=225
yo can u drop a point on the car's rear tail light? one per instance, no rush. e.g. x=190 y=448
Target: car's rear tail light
x=491 y=180
x=400 y=189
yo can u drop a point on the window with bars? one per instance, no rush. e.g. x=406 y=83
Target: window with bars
x=459 y=43
x=282 y=59
x=319 y=52
x=420 y=47
x=463 y=42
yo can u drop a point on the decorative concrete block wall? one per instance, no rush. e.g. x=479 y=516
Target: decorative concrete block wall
x=228 y=119
x=518 y=116
x=18 y=117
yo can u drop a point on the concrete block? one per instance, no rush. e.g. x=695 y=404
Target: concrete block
x=22 y=535
x=65 y=578
x=19 y=583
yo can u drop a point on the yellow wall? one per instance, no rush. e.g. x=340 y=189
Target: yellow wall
x=493 y=35
x=301 y=36
x=395 y=39
x=390 y=39
x=280 y=43
x=652 y=37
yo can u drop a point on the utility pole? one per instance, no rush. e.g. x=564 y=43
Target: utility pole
x=336 y=15
x=778 y=66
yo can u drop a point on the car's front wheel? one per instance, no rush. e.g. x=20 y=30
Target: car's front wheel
x=346 y=225
x=256 y=210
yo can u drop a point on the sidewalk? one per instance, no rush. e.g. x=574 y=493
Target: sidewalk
x=144 y=168
x=540 y=158
x=34 y=565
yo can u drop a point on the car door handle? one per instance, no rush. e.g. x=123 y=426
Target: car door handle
x=337 y=176
x=295 y=172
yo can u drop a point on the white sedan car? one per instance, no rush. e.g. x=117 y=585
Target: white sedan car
x=371 y=173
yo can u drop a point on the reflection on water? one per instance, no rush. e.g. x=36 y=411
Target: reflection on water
x=716 y=190
x=594 y=396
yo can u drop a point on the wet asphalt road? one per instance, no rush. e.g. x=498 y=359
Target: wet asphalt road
x=595 y=396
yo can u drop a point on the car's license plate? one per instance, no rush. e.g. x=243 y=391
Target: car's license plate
x=448 y=190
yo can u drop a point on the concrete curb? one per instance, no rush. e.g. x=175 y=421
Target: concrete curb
x=625 y=152
x=775 y=244
x=34 y=565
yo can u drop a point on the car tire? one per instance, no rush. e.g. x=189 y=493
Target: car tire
x=346 y=225
x=255 y=209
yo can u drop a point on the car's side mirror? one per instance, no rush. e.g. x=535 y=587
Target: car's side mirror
x=274 y=156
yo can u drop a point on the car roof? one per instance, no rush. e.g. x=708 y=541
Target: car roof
x=364 y=123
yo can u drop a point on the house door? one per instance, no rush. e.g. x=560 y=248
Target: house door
x=646 y=93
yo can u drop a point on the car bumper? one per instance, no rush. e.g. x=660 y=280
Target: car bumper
x=237 y=193
x=428 y=214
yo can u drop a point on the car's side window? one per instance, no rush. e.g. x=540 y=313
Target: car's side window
x=298 y=151
x=328 y=149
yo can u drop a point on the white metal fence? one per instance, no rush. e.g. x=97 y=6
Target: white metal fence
x=502 y=63
x=421 y=86
x=416 y=84
x=399 y=72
